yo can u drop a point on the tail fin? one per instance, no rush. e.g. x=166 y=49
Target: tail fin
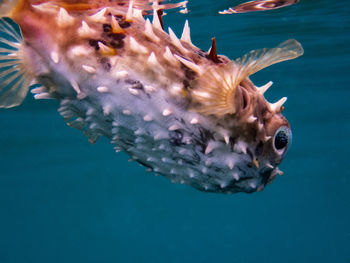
x=14 y=82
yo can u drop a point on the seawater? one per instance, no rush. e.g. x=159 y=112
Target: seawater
x=64 y=200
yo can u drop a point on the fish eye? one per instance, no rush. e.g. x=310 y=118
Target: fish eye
x=282 y=139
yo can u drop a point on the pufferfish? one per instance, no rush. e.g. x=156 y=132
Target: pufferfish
x=194 y=117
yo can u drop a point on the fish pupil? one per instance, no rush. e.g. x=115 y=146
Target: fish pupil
x=281 y=140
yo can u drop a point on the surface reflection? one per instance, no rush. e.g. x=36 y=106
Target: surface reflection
x=259 y=5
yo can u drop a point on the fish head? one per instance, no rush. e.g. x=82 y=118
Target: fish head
x=260 y=132
x=256 y=134
x=262 y=123
x=261 y=136
x=257 y=142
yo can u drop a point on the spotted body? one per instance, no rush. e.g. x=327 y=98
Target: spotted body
x=192 y=116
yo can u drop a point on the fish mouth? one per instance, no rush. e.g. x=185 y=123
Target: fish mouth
x=266 y=175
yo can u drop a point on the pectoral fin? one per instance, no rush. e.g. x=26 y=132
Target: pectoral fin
x=216 y=94
x=259 y=59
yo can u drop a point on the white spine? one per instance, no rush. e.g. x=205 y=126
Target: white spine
x=156 y=22
x=186 y=34
x=276 y=107
x=99 y=17
x=169 y=56
x=54 y=56
x=89 y=69
x=85 y=30
x=136 y=47
x=176 y=41
x=64 y=19
x=152 y=60
x=129 y=14
x=149 y=31
x=264 y=88
x=190 y=65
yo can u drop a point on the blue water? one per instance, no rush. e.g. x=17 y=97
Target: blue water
x=65 y=200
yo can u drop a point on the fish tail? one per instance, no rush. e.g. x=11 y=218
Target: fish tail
x=14 y=78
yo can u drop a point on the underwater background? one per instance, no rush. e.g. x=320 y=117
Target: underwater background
x=65 y=200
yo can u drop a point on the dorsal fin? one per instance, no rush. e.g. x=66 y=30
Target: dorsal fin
x=216 y=94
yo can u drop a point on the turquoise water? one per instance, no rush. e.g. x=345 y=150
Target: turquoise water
x=65 y=200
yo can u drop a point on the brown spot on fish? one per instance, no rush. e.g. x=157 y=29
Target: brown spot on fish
x=189 y=76
x=107 y=28
x=119 y=17
x=117 y=41
x=189 y=73
x=94 y=43
x=135 y=84
x=117 y=44
x=105 y=63
x=124 y=24
x=117 y=37
x=176 y=137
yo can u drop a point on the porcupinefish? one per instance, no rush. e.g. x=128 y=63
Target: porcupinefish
x=194 y=117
